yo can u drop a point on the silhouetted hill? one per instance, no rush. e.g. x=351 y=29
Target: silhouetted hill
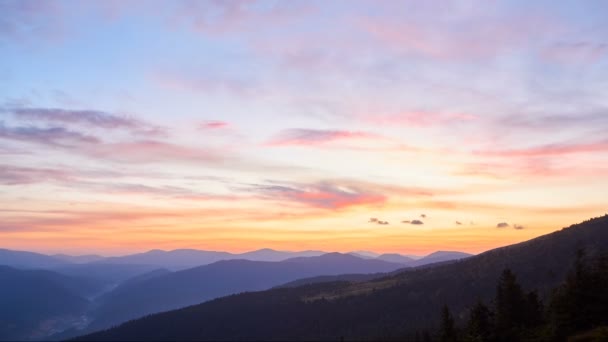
x=34 y=302
x=222 y=278
x=21 y=259
x=333 y=278
x=381 y=308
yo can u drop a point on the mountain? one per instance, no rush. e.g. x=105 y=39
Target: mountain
x=365 y=254
x=172 y=260
x=439 y=256
x=384 y=308
x=104 y=273
x=78 y=259
x=333 y=278
x=180 y=259
x=267 y=254
x=192 y=286
x=398 y=258
x=35 y=303
x=20 y=259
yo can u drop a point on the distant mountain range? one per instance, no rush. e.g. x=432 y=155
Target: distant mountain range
x=187 y=258
x=21 y=259
x=192 y=286
x=36 y=302
x=180 y=259
x=102 y=291
x=381 y=308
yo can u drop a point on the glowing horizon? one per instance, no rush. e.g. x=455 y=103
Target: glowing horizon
x=406 y=128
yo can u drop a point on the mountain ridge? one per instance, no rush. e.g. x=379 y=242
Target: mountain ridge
x=393 y=305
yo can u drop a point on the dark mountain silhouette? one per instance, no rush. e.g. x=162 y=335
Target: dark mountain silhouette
x=21 y=259
x=180 y=259
x=192 y=286
x=383 y=308
x=34 y=302
x=333 y=278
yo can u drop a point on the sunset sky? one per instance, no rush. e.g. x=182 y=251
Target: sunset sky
x=391 y=126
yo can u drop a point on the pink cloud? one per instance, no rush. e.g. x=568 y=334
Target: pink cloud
x=576 y=52
x=480 y=32
x=323 y=195
x=151 y=151
x=416 y=118
x=12 y=175
x=90 y=118
x=213 y=125
x=308 y=137
x=550 y=150
x=224 y=17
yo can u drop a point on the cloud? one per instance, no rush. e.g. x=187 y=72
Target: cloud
x=57 y=136
x=12 y=175
x=324 y=195
x=458 y=223
x=518 y=227
x=550 y=149
x=502 y=225
x=423 y=215
x=90 y=118
x=22 y=20
x=377 y=221
x=575 y=52
x=406 y=221
x=144 y=151
x=430 y=32
x=416 y=118
x=307 y=137
x=416 y=222
x=542 y=121
x=213 y=125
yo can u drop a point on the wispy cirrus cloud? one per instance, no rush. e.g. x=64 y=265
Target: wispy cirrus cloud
x=430 y=32
x=12 y=175
x=312 y=137
x=56 y=136
x=145 y=151
x=556 y=149
x=24 y=19
x=416 y=118
x=546 y=121
x=213 y=125
x=89 y=118
x=325 y=195
x=575 y=52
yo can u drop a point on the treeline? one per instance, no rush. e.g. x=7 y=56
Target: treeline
x=576 y=311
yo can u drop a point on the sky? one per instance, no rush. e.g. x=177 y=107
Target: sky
x=392 y=126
